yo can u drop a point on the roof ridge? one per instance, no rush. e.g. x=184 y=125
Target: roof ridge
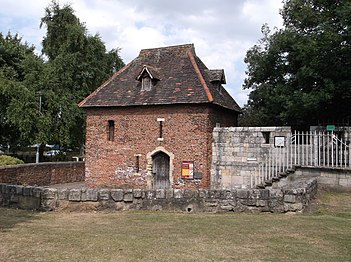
x=200 y=76
x=188 y=46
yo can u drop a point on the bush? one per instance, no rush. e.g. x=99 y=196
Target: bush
x=9 y=160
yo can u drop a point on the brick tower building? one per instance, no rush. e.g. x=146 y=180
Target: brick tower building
x=150 y=125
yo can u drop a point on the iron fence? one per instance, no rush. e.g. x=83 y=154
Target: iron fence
x=312 y=149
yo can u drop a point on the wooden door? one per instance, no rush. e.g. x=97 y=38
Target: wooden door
x=160 y=170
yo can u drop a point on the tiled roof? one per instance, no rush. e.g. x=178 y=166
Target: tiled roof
x=178 y=77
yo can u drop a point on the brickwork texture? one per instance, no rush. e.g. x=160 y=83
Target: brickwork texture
x=42 y=174
x=125 y=161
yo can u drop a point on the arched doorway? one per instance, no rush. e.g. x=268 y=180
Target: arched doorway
x=160 y=170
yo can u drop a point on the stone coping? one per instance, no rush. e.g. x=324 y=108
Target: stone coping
x=287 y=199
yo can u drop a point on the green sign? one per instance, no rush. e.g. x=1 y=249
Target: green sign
x=330 y=127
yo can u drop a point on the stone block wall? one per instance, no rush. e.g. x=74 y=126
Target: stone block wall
x=334 y=178
x=236 y=152
x=290 y=199
x=42 y=174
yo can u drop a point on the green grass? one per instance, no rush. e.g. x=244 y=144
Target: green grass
x=323 y=234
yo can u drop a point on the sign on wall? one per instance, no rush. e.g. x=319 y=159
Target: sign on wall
x=330 y=127
x=279 y=141
x=188 y=169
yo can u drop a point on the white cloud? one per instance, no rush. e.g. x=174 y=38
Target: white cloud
x=222 y=31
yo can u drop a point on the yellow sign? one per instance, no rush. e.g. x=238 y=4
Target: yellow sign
x=188 y=169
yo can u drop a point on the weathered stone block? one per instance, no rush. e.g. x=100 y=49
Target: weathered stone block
x=137 y=193
x=226 y=203
x=117 y=194
x=47 y=193
x=203 y=193
x=13 y=198
x=214 y=194
x=290 y=198
x=293 y=207
x=19 y=190
x=104 y=194
x=261 y=203
x=230 y=194
x=242 y=193
x=344 y=182
x=91 y=194
x=128 y=195
x=264 y=194
x=83 y=195
x=150 y=194
x=248 y=202
x=74 y=195
x=276 y=193
x=12 y=189
x=160 y=193
x=48 y=200
x=254 y=193
x=189 y=193
x=27 y=191
x=169 y=193
x=178 y=193
x=36 y=191
x=63 y=194
x=211 y=203
x=2 y=188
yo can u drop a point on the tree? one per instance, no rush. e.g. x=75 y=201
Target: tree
x=300 y=75
x=20 y=69
x=77 y=64
x=39 y=94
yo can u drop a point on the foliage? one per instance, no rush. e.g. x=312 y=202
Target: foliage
x=300 y=75
x=78 y=63
x=39 y=94
x=19 y=70
x=9 y=160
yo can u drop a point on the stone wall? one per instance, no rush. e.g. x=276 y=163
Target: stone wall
x=238 y=150
x=334 y=178
x=287 y=199
x=42 y=174
x=127 y=160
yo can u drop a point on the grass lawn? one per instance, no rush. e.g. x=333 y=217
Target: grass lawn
x=323 y=234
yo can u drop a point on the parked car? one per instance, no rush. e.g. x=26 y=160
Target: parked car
x=54 y=153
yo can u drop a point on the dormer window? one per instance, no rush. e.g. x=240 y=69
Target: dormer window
x=146 y=83
x=217 y=78
x=148 y=77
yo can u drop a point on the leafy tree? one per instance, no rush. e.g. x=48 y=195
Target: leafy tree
x=300 y=75
x=20 y=69
x=77 y=64
x=39 y=96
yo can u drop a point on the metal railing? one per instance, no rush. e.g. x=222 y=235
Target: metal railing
x=315 y=149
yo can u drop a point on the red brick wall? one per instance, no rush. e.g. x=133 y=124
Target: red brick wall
x=187 y=133
x=42 y=174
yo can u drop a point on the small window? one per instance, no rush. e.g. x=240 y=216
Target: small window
x=111 y=130
x=160 y=120
x=137 y=167
x=266 y=136
x=146 y=83
x=137 y=163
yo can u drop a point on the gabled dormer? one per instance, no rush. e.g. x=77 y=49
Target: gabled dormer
x=148 y=77
x=217 y=77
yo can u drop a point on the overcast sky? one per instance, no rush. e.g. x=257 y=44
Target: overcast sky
x=221 y=30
